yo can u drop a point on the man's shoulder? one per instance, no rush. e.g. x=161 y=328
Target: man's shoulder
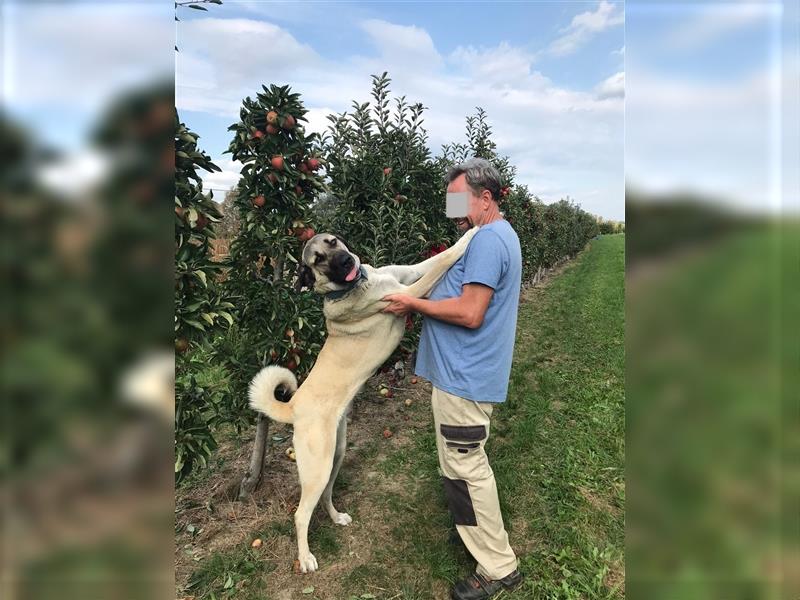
x=494 y=233
x=498 y=234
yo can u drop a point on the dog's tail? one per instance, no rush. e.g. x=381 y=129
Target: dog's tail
x=271 y=391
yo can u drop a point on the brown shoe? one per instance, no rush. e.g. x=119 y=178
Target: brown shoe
x=477 y=587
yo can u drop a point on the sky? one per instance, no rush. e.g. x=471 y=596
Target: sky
x=670 y=95
x=711 y=99
x=549 y=74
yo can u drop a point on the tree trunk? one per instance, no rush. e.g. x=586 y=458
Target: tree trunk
x=252 y=478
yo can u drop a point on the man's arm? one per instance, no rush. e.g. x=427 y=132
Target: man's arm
x=466 y=310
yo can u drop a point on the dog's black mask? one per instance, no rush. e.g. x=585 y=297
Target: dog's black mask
x=339 y=266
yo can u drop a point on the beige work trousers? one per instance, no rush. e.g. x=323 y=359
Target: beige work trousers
x=462 y=428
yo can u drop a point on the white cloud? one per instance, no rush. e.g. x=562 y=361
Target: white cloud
x=563 y=141
x=74 y=56
x=709 y=23
x=584 y=26
x=223 y=180
x=229 y=52
x=405 y=46
x=613 y=87
x=620 y=52
x=712 y=137
x=76 y=173
x=502 y=64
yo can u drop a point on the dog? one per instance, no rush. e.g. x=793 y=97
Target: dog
x=360 y=337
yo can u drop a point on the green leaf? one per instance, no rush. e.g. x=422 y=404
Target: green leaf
x=228 y=583
x=194 y=6
x=201 y=275
x=308 y=590
x=195 y=324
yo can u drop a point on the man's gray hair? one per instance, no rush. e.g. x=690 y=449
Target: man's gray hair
x=481 y=175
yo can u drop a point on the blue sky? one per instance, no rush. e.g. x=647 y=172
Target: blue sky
x=549 y=74
x=711 y=88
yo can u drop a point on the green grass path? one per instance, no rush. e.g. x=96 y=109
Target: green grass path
x=558 y=450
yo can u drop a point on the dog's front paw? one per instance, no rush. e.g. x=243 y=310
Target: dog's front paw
x=308 y=564
x=342 y=519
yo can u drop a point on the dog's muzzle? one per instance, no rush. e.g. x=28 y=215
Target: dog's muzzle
x=341 y=265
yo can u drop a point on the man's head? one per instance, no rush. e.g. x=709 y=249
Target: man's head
x=481 y=181
x=327 y=265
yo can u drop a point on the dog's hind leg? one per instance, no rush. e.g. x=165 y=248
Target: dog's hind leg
x=327 y=495
x=314 y=451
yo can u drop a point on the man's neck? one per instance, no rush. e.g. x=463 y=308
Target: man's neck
x=491 y=217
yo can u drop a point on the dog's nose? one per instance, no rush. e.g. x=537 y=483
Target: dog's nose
x=345 y=261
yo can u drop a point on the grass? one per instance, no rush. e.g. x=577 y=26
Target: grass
x=557 y=450
x=710 y=332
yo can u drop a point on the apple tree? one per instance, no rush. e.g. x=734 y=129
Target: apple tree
x=276 y=324
x=200 y=308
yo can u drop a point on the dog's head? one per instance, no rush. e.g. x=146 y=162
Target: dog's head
x=327 y=265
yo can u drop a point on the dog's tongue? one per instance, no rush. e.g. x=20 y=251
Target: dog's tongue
x=352 y=274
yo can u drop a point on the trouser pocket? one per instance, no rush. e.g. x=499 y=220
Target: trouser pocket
x=461 y=447
x=463 y=433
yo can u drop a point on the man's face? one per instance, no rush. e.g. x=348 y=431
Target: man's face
x=475 y=204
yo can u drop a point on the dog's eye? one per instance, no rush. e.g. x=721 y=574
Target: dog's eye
x=333 y=242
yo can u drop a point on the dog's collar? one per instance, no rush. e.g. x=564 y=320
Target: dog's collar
x=337 y=294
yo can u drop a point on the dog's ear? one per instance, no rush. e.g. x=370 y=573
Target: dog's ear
x=344 y=241
x=305 y=278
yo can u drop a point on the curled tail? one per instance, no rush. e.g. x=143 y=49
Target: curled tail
x=271 y=391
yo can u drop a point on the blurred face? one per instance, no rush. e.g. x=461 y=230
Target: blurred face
x=477 y=205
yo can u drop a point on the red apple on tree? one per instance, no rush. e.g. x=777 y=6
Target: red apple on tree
x=306 y=234
x=272 y=117
x=271 y=129
x=277 y=162
x=289 y=122
x=259 y=201
x=313 y=164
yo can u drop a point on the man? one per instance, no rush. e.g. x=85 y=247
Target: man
x=465 y=351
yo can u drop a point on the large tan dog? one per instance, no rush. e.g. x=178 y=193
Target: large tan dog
x=360 y=338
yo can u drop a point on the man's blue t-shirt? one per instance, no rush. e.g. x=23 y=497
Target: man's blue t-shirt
x=476 y=363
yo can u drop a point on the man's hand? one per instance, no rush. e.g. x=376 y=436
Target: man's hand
x=399 y=304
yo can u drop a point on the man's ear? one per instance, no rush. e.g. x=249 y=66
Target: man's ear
x=305 y=278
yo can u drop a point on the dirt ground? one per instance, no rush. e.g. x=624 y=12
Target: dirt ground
x=208 y=520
